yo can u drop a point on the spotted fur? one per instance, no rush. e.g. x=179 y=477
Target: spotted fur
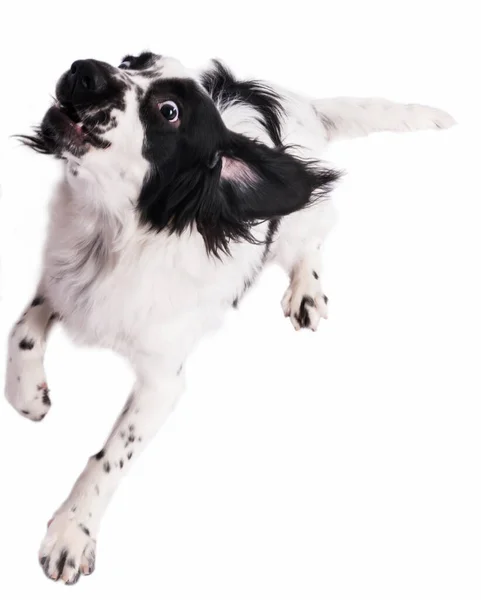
x=182 y=213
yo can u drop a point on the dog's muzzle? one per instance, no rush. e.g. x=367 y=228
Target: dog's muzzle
x=85 y=84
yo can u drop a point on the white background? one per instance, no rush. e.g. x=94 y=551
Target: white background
x=340 y=465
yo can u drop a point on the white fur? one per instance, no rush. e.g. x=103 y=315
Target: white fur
x=153 y=297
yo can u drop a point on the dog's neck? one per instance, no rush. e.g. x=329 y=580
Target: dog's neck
x=103 y=201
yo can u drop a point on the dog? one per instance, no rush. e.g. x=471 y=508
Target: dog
x=179 y=186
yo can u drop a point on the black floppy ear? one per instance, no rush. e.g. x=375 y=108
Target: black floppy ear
x=259 y=183
x=238 y=185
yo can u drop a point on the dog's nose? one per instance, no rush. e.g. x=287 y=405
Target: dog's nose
x=87 y=80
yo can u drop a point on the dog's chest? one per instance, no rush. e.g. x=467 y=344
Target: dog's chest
x=156 y=292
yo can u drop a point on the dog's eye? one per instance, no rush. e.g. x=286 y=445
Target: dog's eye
x=169 y=111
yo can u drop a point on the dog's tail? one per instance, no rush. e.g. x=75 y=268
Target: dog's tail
x=354 y=117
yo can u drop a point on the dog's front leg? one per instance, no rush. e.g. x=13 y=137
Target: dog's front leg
x=68 y=549
x=25 y=383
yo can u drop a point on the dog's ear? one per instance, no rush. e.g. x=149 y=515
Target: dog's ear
x=242 y=183
x=261 y=183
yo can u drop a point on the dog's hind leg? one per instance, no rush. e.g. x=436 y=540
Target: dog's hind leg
x=25 y=383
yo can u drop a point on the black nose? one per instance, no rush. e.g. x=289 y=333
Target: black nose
x=88 y=81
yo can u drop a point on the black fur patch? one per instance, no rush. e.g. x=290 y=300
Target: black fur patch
x=225 y=90
x=26 y=344
x=84 y=529
x=184 y=191
x=99 y=455
x=302 y=317
x=316 y=276
x=137 y=63
x=51 y=320
x=129 y=455
x=121 y=464
x=107 y=466
x=38 y=300
x=46 y=398
x=61 y=562
x=45 y=564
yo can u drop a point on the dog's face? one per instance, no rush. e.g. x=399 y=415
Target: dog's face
x=150 y=130
x=148 y=107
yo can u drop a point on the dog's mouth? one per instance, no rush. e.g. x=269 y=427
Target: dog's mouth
x=69 y=111
x=62 y=130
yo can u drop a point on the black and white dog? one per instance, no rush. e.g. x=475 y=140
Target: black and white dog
x=179 y=187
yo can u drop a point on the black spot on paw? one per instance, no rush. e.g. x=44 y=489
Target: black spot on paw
x=129 y=455
x=131 y=438
x=46 y=398
x=61 y=562
x=84 y=529
x=74 y=579
x=97 y=490
x=26 y=344
x=121 y=464
x=99 y=455
x=131 y=427
x=71 y=563
x=53 y=317
x=107 y=466
x=316 y=276
x=38 y=300
x=302 y=316
x=45 y=564
x=326 y=299
x=25 y=412
x=122 y=435
x=90 y=562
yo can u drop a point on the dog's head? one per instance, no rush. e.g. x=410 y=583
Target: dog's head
x=150 y=126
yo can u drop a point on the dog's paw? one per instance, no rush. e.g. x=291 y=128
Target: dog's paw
x=305 y=304
x=67 y=551
x=25 y=383
x=26 y=388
